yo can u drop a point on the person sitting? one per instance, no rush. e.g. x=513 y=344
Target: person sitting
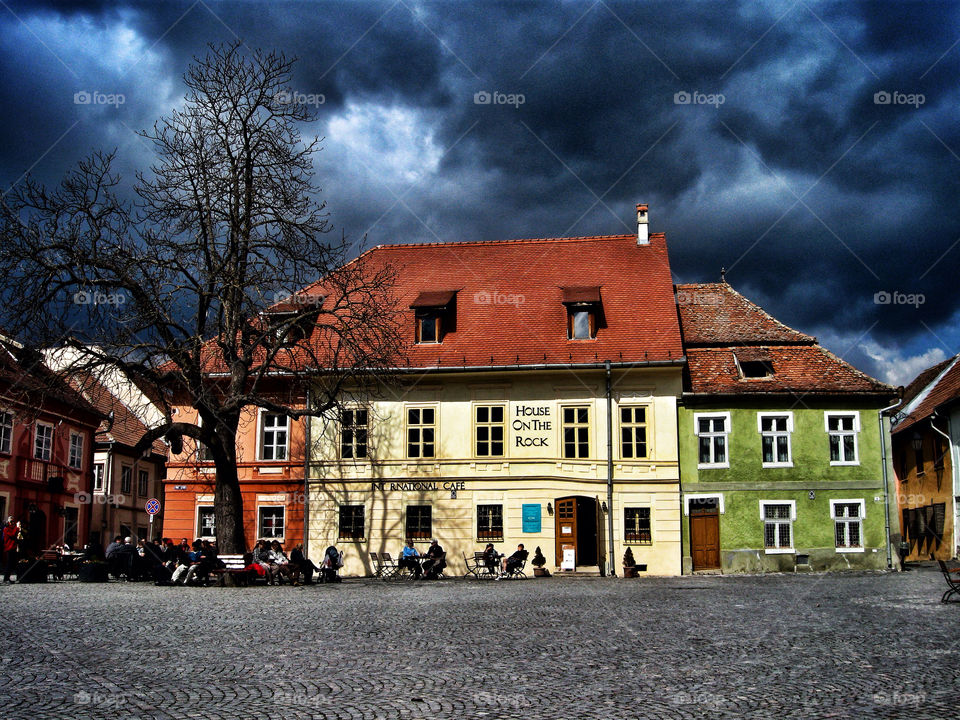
x=280 y=563
x=186 y=559
x=205 y=561
x=331 y=563
x=513 y=562
x=250 y=572
x=435 y=562
x=489 y=558
x=113 y=547
x=410 y=559
x=302 y=566
x=263 y=557
x=123 y=561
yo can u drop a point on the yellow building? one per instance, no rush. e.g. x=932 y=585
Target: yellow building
x=499 y=429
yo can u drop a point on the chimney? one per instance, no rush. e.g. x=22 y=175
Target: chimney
x=643 y=237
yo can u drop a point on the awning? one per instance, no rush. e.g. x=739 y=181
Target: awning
x=434 y=299
x=581 y=295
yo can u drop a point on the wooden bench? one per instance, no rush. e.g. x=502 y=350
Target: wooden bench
x=234 y=565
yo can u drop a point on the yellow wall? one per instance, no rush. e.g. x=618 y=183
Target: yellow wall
x=527 y=474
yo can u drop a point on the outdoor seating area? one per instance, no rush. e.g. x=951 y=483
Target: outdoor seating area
x=952 y=578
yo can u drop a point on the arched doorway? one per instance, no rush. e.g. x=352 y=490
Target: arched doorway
x=576 y=527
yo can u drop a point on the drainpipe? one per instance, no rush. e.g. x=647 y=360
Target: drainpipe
x=610 y=565
x=933 y=416
x=306 y=478
x=886 y=480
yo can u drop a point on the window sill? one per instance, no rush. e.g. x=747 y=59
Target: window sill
x=777 y=465
x=850 y=550
x=712 y=466
x=841 y=463
x=779 y=551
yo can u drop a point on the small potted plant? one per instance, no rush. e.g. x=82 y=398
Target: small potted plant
x=629 y=564
x=538 y=563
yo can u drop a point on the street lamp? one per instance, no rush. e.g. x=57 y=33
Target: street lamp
x=917 y=442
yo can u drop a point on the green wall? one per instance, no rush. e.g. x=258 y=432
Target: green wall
x=746 y=482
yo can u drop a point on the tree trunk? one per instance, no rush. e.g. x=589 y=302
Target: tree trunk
x=227 y=499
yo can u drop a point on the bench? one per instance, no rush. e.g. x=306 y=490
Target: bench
x=953 y=581
x=233 y=565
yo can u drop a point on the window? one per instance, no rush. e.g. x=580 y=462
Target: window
x=576 y=432
x=778 y=520
x=633 y=432
x=75 y=458
x=775 y=432
x=712 y=431
x=939 y=450
x=270 y=521
x=755 y=368
x=71 y=516
x=583 y=312
x=203 y=453
x=435 y=313
x=918 y=458
x=98 y=476
x=126 y=479
x=847 y=516
x=353 y=433
x=6 y=433
x=842 y=428
x=489 y=430
x=206 y=522
x=636 y=526
x=421 y=429
x=351 y=522
x=125 y=531
x=43 y=442
x=490 y=523
x=273 y=436
x=428 y=327
x=143 y=483
x=419 y=522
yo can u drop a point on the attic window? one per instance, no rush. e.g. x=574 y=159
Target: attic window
x=435 y=315
x=584 y=312
x=756 y=368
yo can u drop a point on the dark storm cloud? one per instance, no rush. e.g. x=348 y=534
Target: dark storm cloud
x=815 y=196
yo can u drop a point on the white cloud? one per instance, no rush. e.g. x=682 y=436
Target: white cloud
x=896 y=369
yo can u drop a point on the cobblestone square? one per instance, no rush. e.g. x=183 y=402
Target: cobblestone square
x=806 y=646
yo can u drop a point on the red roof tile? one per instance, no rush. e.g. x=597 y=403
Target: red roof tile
x=716 y=314
x=127 y=428
x=796 y=369
x=945 y=389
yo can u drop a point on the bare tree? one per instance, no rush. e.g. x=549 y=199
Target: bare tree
x=193 y=287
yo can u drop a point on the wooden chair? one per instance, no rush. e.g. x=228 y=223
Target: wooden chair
x=953 y=582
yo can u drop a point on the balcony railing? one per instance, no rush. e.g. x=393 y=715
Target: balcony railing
x=38 y=471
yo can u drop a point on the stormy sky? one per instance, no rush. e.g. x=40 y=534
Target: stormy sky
x=810 y=148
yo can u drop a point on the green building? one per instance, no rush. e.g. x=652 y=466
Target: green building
x=780 y=445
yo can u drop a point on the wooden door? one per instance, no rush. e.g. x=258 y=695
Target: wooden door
x=705 y=540
x=566 y=526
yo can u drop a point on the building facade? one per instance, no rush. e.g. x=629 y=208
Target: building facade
x=926 y=439
x=780 y=445
x=46 y=451
x=498 y=429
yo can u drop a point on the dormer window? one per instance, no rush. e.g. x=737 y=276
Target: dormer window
x=584 y=312
x=435 y=314
x=287 y=322
x=754 y=365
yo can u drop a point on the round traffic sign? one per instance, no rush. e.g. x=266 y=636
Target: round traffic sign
x=153 y=506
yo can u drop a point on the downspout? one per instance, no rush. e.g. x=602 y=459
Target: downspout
x=946 y=437
x=610 y=565
x=306 y=477
x=886 y=480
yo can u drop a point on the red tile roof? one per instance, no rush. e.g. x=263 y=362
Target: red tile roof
x=716 y=314
x=720 y=327
x=944 y=390
x=25 y=378
x=127 y=428
x=509 y=299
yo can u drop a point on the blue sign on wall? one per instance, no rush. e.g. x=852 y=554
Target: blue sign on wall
x=531 y=518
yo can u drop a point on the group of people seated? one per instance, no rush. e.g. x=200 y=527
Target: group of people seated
x=428 y=566
x=500 y=564
x=192 y=564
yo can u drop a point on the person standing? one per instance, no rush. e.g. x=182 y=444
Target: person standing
x=10 y=532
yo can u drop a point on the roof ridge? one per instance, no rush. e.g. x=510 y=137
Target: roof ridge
x=918 y=399
x=513 y=241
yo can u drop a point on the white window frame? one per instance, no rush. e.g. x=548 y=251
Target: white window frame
x=78 y=447
x=647 y=424
x=99 y=469
x=421 y=426
x=702 y=496
x=366 y=428
x=36 y=437
x=576 y=425
x=763 y=521
x=697 y=417
x=6 y=433
x=196 y=523
x=272 y=506
x=855 y=414
x=490 y=425
x=833 y=516
x=261 y=429
x=761 y=416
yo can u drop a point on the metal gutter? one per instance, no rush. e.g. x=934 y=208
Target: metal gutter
x=886 y=479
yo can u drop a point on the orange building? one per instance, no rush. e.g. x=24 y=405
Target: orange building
x=270 y=452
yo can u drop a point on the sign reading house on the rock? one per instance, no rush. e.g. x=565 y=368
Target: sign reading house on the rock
x=421 y=486
x=531 y=425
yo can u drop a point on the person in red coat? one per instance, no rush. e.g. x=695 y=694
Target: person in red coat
x=10 y=531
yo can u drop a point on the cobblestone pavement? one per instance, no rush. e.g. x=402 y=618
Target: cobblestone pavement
x=779 y=646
